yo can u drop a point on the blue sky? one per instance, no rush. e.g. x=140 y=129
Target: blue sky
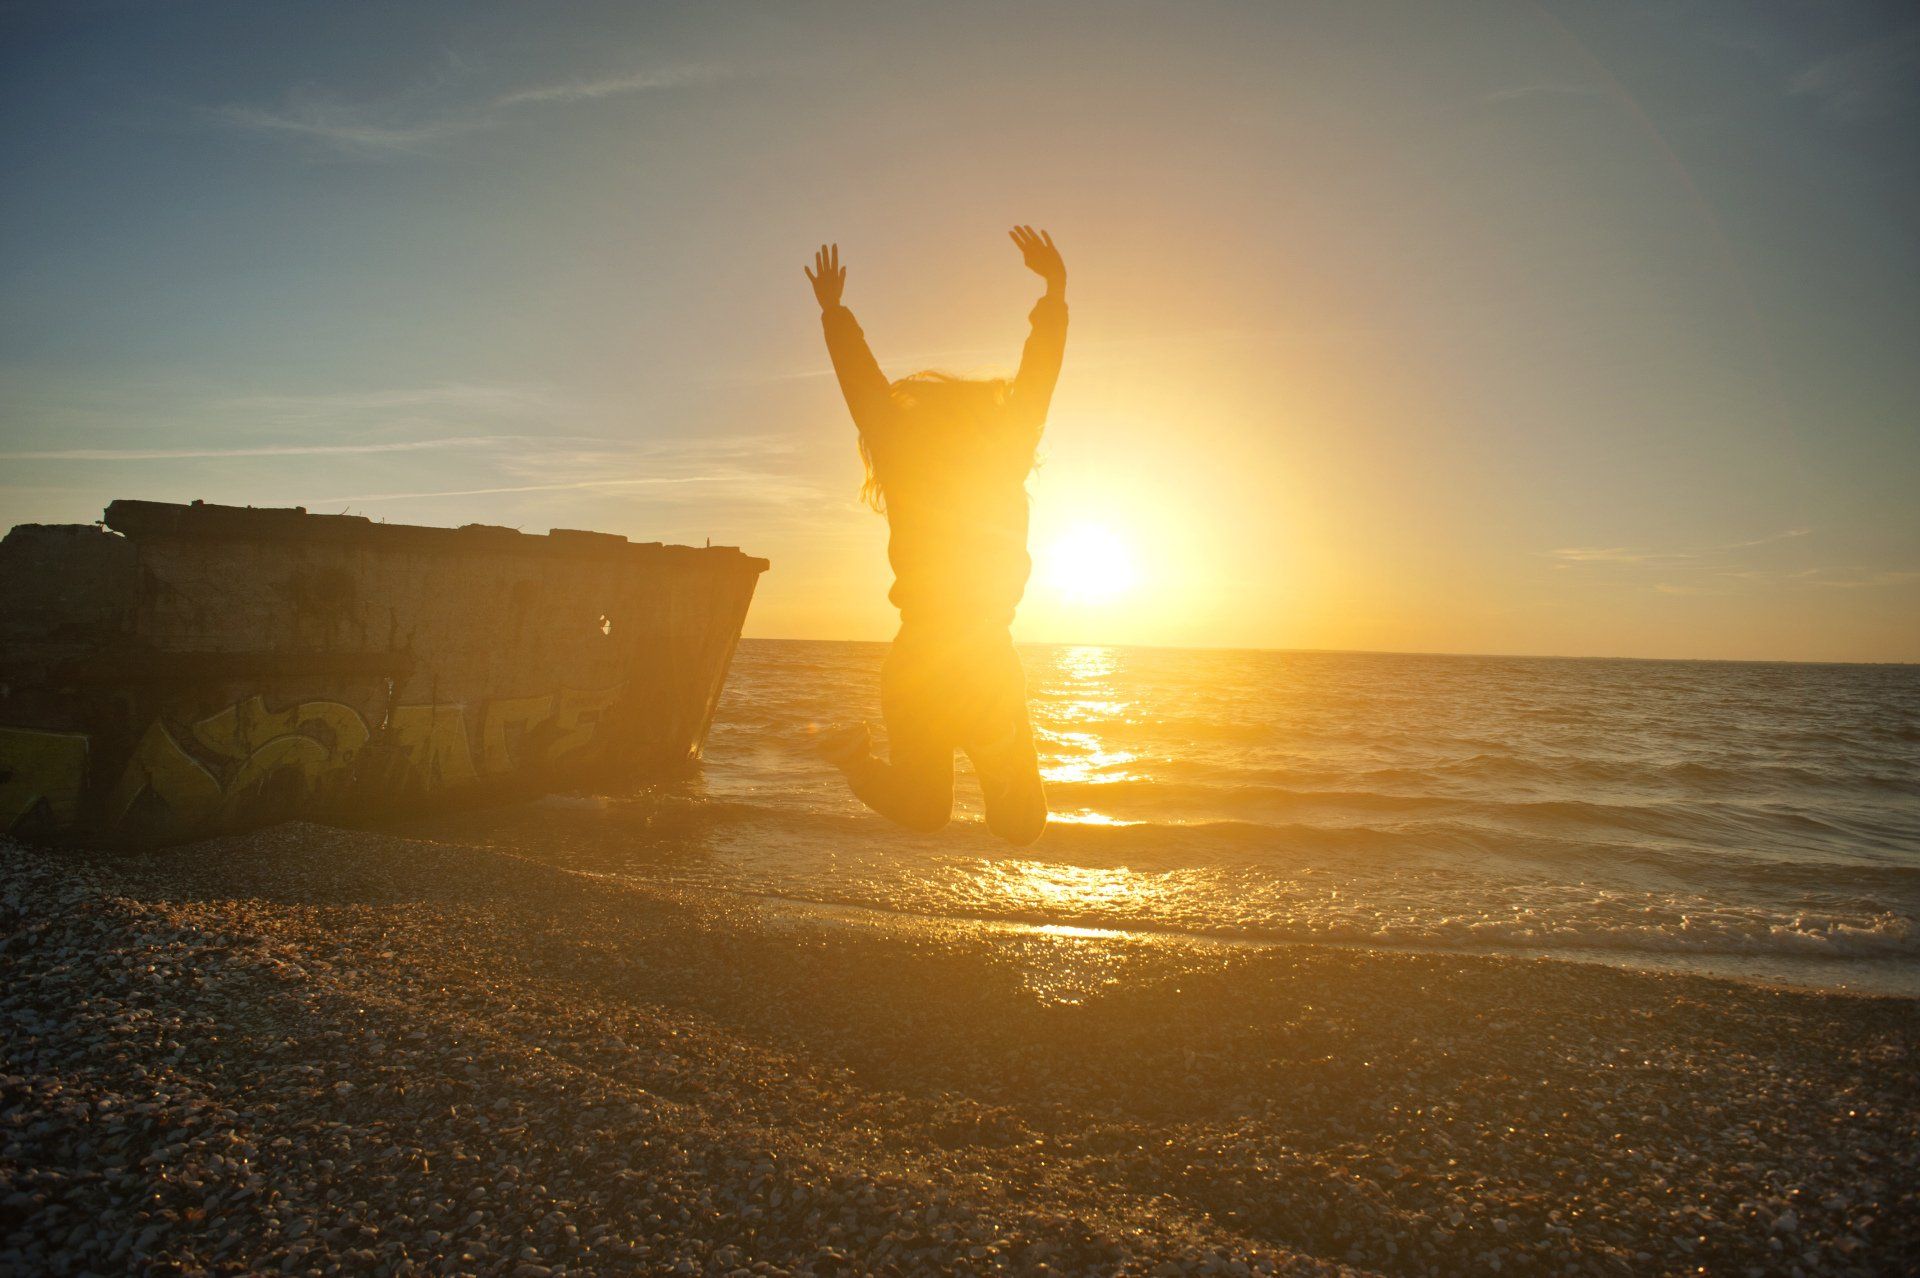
x=1507 y=327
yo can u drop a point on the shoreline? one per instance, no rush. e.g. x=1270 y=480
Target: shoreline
x=1733 y=966
x=309 y=1047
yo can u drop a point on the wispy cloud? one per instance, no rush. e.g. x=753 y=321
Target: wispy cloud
x=611 y=86
x=347 y=129
x=757 y=469
x=1853 y=577
x=1870 y=81
x=1724 y=568
x=416 y=122
x=418 y=443
x=1716 y=554
x=404 y=403
x=145 y=421
x=264 y=450
x=576 y=485
x=1600 y=555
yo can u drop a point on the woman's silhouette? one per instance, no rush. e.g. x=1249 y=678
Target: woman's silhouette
x=947 y=461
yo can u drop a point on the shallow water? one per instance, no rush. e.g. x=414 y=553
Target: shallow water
x=1748 y=819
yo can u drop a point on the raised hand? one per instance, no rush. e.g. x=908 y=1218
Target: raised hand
x=1042 y=258
x=828 y=277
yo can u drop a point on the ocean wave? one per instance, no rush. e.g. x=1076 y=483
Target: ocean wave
x=1886 y=935
x=1623 y=808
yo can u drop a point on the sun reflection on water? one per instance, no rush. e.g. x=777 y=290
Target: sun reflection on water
x=1087 y=663
x=1087 y=816
x=1082 y=933
x=1074 y=751
x=1094 y=764
x=1047 y=887
x=1085 y=709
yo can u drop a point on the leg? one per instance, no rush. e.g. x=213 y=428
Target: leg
x=914 y=785
x=1000 y=743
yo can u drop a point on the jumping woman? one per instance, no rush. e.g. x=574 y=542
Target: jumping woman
x=947 y=462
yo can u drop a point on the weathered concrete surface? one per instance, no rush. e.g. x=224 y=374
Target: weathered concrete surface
x=196 y=668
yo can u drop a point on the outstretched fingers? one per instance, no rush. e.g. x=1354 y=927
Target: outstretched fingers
x=826 y=268
x=1026 y=238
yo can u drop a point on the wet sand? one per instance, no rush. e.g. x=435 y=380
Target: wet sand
x=312 y=1050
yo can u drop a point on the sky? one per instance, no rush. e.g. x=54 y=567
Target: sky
x=1579 y=329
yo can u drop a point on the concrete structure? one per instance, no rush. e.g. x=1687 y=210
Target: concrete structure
x=190 y=669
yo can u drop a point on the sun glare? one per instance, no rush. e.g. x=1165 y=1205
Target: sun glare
x=1089 y=564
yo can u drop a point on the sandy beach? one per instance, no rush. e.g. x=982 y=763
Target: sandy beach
x=314 y=1050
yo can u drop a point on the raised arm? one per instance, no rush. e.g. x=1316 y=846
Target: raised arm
x=861 y=381
x=1047 y=343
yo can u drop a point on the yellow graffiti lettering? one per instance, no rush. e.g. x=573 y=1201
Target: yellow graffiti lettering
x=433 y=741
x=300 y=747
x=578 y=719
x=301 y=761
x=38 y=767
x=159 y=768
x=244 y=727
x=507 y=724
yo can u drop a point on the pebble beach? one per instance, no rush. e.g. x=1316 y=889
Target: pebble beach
x=310 y=1050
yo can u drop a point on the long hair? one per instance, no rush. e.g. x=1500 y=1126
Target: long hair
x=936 y=401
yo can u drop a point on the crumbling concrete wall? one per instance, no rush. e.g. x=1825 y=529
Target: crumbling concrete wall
x=200 y=668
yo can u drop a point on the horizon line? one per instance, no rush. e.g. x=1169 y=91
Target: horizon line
x=1394 y=652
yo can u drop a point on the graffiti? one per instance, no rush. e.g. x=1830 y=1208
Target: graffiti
x=507 y=726
x=250 y=758
x=247 y=727
x=40 y=768
x=525 y=731
x=576 y=721
x=294 y=752
x=431 y=745
x=162 y=777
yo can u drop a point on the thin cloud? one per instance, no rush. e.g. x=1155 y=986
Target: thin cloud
x=756 y=468
x=1854 y=577
x=1725 y=568
x=143 y=421
x=755 y=487
x=428 y=401
x=1599 y=555
x=1699 y=554
x=591 y=90
x=1868 y=82
x=265 y=450
x=346 y=129
x=403 y=126
x=1788 y=535
x=531 y=488
x=555 y=460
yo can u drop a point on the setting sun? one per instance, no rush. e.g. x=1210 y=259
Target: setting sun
x=1090 y=564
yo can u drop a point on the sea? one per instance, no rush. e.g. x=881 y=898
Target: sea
x=1753 y=820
